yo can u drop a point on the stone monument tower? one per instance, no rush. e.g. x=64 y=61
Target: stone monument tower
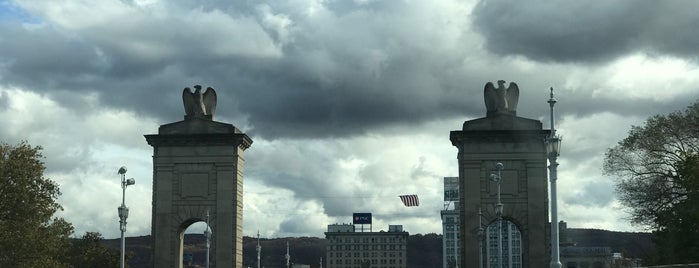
x=518 y=144
x=198 y=171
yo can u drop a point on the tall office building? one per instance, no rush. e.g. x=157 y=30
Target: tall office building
x=511 y=237
x=350 y=248
x=511 y=250
x=450 y=223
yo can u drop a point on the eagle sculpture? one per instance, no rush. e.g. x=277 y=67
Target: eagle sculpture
x=197 y=104
x=501 y=100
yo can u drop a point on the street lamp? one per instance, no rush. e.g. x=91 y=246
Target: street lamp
x=123 y=210
x=259 y=249
x=481 y=236
x=498 y=209
x=553 y=149
x=207 y=235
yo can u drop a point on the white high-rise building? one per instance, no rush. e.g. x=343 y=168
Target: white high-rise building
x=450 y=224
x=511 y=255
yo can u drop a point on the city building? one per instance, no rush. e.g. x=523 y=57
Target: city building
x=352 y=248
x=586 y=257
x=450 y=223
x=511 y=249
x=574 y=256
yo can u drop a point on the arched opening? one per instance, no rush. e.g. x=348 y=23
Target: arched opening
x=194 y=247
x=505 y=248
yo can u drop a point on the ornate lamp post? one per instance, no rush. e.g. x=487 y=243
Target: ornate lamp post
x=259 y=249
x=207 y=235
x=498 y=209
x=123 y=210
x=481 y=236
x=553 y=149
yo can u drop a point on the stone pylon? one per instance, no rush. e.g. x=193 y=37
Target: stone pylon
x=517 y=143
x=198 y=168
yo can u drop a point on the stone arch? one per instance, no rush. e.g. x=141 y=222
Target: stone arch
x=190 y=215
x=180 y=232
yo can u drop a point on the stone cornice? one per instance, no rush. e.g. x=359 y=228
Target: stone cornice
x=240 y=139
x=458 y=137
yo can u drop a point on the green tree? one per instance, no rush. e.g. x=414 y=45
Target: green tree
x=89 y=252
x=30 y=234
x=676 y=239
x=657 y=172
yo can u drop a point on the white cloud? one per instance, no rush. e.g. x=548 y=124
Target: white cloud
x=638 y=77
x=591 y=135
x=361 y=174
x=83 y=153
x=586 y=197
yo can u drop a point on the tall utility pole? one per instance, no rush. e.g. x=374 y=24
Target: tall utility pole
x=553 y=146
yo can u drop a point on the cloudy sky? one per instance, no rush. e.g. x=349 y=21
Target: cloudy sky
x=349 y=103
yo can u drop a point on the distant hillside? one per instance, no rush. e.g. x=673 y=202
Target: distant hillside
x=138 y=250
x=635 y=245
x=424 y=251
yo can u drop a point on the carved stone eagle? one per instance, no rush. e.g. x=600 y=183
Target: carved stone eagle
x=501 y=100
x=197 y=104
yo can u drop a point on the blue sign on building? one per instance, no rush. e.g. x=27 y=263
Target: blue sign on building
x=361 y=218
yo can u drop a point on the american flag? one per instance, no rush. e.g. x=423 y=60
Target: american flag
x=410 y=200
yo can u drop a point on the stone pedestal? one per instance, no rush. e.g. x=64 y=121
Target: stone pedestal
x=518 y=143
x=198 y=167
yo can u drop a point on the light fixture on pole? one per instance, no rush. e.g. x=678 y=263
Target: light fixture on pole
x=287 y=256
x=207 y=235
x=123 y=211
x=259 y=249
x=481 y=235
x=498 y=209
x=553 y=150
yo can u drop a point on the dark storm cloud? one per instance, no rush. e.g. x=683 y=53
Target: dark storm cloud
x=583 y=103
x=346 y=70
x=43 y=56
x=326 y=82
x=588 y=31
x=341 y=97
